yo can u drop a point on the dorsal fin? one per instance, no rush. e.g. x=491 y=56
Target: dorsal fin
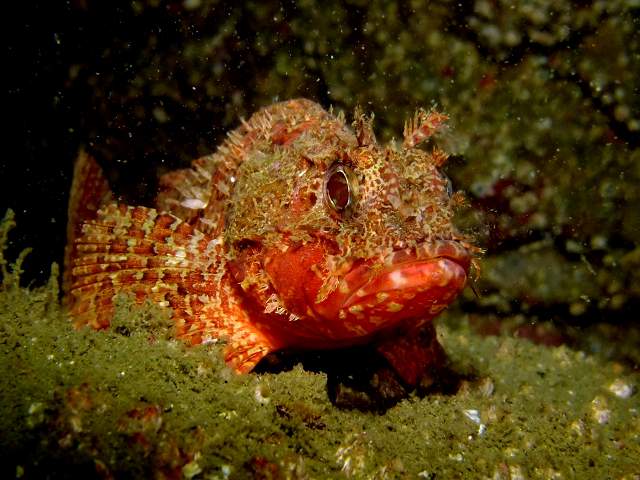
x=89 y=192
x=363 y=127
x=422 y=126
x=200 y=194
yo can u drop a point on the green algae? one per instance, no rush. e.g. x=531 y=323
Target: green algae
x=131 y=402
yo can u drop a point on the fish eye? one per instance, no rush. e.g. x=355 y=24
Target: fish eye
x=338 y=187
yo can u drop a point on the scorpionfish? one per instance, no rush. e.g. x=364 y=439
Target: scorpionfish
x=299 y=232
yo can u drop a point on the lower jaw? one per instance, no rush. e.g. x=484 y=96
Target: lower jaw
x=426 y=280
x=385 y=301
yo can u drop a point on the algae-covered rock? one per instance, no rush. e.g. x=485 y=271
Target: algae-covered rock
x=103 y=403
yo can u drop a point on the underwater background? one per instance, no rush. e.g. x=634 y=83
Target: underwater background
x=544 y=100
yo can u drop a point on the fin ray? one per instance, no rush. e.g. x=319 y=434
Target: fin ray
x=157 y=257
x=89 y=192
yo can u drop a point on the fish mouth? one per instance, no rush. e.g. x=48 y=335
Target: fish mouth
x=417 y=282
x=440 y=263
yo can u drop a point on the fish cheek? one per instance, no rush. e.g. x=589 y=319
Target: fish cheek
x=292 y=275
x=246 y=262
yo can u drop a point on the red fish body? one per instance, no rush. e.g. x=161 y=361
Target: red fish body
x=298 y=233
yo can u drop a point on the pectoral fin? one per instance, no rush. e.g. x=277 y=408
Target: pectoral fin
x=158 y=257
x=413 y=354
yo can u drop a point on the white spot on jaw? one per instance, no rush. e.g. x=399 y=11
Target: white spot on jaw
x=398 y=279
x=394 y=307
x=447 y=273
x=381 y=296
x=355 y=308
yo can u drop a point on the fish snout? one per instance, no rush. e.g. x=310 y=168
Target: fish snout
x=410 y=283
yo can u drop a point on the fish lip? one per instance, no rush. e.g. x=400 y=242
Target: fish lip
x=431 y=250
x=455 y=254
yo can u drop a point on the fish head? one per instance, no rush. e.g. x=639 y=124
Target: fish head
x=347 y=236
